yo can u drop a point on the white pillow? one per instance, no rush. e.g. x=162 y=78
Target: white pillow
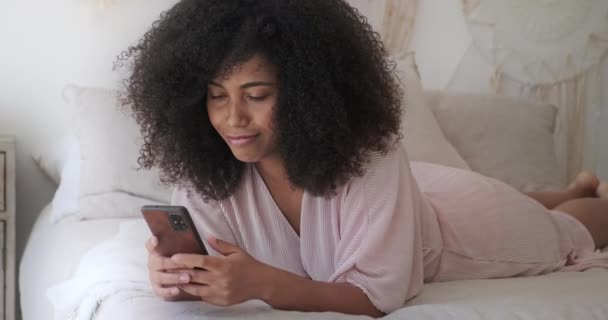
x=61 y=162
x=65 y=200
x=52 y=157
x=423 y=138
x=65 y=203
x=109 y=142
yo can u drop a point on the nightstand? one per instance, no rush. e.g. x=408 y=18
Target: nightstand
x=7 y=227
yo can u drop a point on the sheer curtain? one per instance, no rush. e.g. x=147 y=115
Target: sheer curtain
x=393 y=19
x=547 y=51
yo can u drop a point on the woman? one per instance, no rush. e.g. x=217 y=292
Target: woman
x=278 y=120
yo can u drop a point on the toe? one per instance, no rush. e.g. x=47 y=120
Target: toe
x=585 y=184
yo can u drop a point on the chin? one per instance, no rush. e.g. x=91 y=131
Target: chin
x=251 y=153
x=247 y=158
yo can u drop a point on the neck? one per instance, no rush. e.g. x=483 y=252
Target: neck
x=272 y=170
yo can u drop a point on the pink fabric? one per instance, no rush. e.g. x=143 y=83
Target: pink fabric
x=400 y=224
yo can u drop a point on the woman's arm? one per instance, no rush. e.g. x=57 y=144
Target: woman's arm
x=285 y=290
x=237 y=277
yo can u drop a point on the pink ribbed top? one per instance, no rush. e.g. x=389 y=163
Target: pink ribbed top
x=398 y=225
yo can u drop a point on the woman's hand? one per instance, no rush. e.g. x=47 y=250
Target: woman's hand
x=166 y=275
x=236 y=277
x=224 y=280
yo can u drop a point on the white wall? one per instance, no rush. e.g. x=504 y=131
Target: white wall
x=43 y=46
x=46 y=44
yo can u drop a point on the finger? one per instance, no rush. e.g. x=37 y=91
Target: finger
x=157 y=262
x=169 y=279
x=151 y=243
x=180 y=270
x=199 y=290
x=166 y=293
x=222 y=246
x=198 y=261
x=200 y=276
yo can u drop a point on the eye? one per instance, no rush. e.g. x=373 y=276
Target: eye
x=217 y=97
x=257 y=98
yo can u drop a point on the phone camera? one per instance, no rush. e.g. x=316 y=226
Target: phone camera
x=177 y=222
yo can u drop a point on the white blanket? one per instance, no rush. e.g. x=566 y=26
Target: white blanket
x=114 y=275
x=117 y=265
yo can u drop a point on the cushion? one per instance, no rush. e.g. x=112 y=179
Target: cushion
x=109 y=142
x=506 y=138
x=52 y=158
x=423 y=138
x=65 y=200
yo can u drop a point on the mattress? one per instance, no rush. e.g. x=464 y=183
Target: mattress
x=52 y=255
x=57 y=251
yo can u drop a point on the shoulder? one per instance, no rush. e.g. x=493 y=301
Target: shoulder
x=383 y=166
x=393 y=157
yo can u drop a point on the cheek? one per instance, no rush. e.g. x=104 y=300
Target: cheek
x=270 y=118
x=213 y=118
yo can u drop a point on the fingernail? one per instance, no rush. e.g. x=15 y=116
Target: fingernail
x=174 y=291
x=184 y=278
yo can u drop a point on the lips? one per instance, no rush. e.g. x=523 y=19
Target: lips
x=242 y=139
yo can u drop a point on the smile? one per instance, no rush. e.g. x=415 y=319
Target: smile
x=241 y=140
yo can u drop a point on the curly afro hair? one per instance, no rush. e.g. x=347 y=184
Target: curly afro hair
x=339 y=100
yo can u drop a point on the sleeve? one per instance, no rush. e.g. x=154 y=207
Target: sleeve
x=380 y=245
x=208 y=217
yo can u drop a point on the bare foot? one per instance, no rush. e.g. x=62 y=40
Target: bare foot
x=586 y=184
x=602 y=190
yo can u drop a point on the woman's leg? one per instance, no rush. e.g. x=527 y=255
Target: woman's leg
x=591 y=212
x=585 y=185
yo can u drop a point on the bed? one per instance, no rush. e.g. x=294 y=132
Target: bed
x=555 y=296
x=85 y=258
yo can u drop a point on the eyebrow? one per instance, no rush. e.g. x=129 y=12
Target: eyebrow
x=246 y=85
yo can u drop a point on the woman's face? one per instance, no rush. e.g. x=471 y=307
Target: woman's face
x=240 y=108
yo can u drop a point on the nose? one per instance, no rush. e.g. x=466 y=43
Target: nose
x=238 y=115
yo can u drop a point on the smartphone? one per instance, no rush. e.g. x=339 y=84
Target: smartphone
x=174 y=229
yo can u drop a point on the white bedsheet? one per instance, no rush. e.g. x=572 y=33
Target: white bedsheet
x=52 y=255
x=89 y=295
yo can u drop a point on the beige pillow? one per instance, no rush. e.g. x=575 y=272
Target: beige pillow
x=505 y=138
x=423 y=138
